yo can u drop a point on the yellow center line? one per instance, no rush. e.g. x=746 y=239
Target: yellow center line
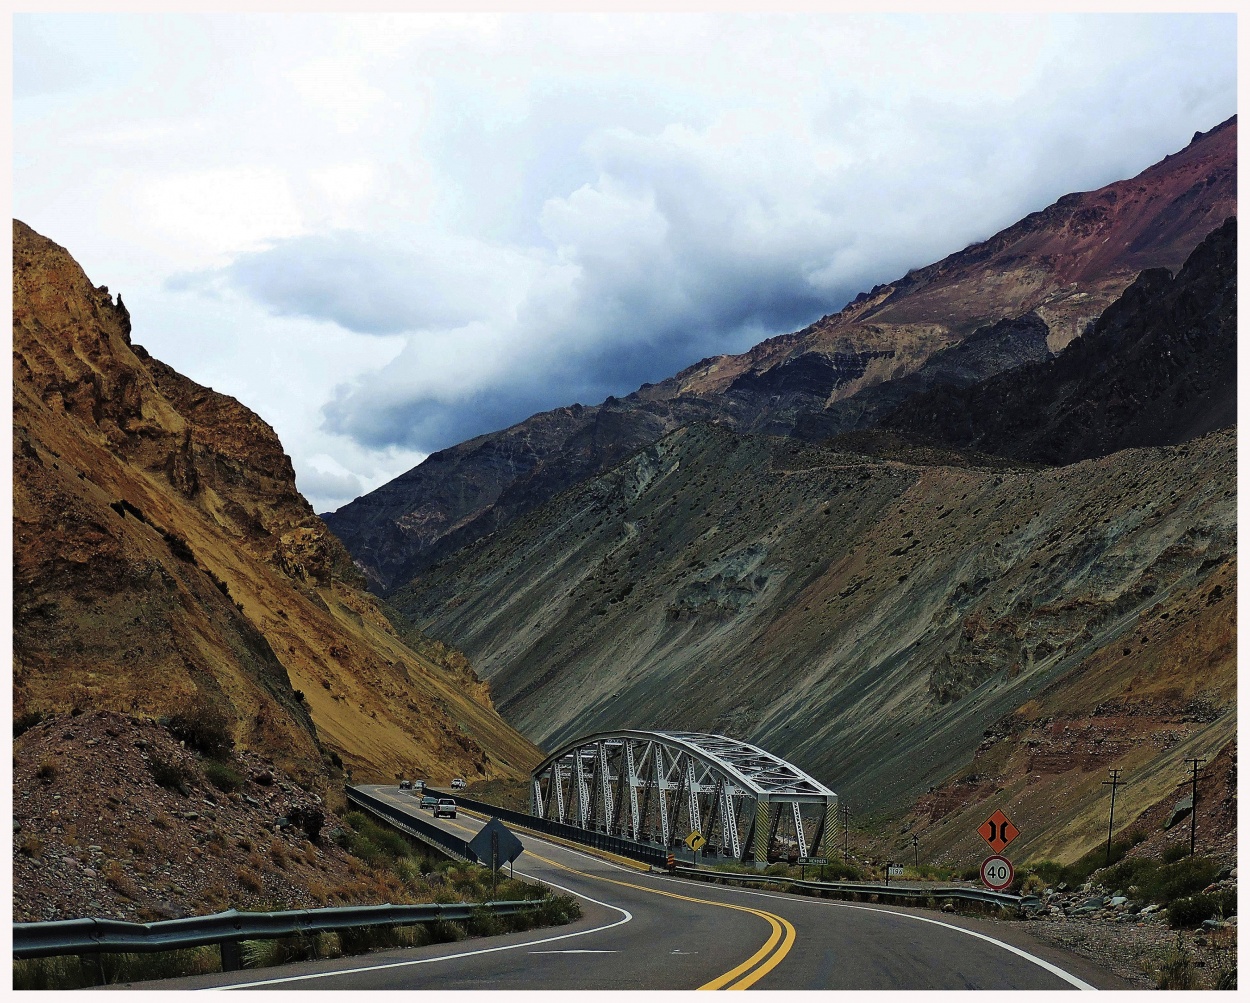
x=781 y=928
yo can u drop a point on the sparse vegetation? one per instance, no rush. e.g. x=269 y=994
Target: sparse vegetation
x=169 y=775
x=1175 y=970
x=23 y=724
x=48 y=770
x=222 y=776
x=249 y=879
x=1189 y=912
x=31 y=846
x=119 y=880
x=204 y=727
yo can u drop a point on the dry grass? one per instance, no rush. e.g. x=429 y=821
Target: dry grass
x=278 y=854
x=249 y=879
x=31 y=846
x=119 y=880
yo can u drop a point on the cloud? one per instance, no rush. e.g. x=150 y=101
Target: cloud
x=395 y=232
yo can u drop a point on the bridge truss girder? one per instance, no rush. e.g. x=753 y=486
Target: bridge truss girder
x=658 y=787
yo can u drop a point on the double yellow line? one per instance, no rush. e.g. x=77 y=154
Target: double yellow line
x=776 y=947
x=780 y=939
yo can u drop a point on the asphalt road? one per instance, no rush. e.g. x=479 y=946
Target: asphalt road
x=641 y=930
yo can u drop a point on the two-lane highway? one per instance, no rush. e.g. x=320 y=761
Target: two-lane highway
x=642 y=930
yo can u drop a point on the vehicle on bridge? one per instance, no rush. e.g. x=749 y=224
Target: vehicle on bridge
x=429 y=801
x=458 y=784
x=717 y=795
x=445 y=808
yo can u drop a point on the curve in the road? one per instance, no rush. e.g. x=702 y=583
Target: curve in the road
x=776 y=947
x=626 y=917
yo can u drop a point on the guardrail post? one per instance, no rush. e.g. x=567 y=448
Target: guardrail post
x=231 y=956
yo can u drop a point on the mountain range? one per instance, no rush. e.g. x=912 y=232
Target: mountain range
x=1062 y=265
x=994 y=499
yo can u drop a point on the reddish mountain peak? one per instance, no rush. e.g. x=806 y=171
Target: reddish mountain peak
x=1067 y=262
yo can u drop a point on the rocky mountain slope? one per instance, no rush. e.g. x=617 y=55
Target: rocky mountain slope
x=1060 y=267
x=927 y=629
x=1159 y=366
x=165 y=565
x=868 y=617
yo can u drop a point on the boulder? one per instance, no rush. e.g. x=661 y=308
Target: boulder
x=1180 y=810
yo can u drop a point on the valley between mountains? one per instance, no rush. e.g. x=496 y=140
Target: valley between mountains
x=964 y=544
x=968 y=542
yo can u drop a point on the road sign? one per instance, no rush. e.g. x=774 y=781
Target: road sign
x=495 y=845
x=695 y=840
x=896 y=870
x=998 y=831
x=997 y=872
x=814 y=861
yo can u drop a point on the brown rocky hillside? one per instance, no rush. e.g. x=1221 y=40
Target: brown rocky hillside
x=165 y=564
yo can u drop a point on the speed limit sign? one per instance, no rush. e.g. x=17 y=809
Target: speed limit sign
x=997 y=872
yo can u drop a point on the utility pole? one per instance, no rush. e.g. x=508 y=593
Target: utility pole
x=915 y=849
x=846 y=834
x=1114 y=782
x=1193 y=797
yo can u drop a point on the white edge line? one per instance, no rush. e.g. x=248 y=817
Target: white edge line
x=1053 y=969
x=446 y=957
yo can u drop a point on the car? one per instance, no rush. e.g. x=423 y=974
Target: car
x=405 y=785
x=458 y=783
x=429 y=801
x=446 y=808
x=418 y=785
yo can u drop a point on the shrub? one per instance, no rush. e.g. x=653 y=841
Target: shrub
x=1173 y=853
x=310 y=819
x=204 y=727
x=48 y=770
x=249 y=879
x=169 y=775
x=31 y=846
x=221 y=776
x=1189 y=912
x=161 y=821
x=277 y=853
x=119 y=880
x=1176 y=969
x=24 y=723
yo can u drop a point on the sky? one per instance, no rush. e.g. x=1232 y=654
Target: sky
x=389 y=233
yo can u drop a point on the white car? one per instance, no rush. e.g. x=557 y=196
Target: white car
x=458 y=783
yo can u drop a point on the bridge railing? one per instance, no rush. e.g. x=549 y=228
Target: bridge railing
x=415 y=826
x=600 y=840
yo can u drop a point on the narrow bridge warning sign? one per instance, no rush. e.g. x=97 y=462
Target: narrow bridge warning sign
x=998 y=830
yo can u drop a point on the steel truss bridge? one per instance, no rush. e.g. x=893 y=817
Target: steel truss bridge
x=659 y=787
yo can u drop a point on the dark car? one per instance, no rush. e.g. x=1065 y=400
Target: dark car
x=446 y=808
x=429 y=801
x=405 y=785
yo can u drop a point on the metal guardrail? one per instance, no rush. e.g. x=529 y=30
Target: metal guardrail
x=86 y=936
x=414 y=826
x=855 y=887
x=645 y=852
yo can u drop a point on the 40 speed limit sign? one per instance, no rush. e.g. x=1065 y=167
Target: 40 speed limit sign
x=997 y=872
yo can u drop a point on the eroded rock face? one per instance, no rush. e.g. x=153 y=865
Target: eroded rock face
x=1158 y=367
x=163 y=557
x=824 y=604
x=937 y=328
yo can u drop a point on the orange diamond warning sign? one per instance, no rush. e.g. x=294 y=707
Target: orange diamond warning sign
x=998 y=831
